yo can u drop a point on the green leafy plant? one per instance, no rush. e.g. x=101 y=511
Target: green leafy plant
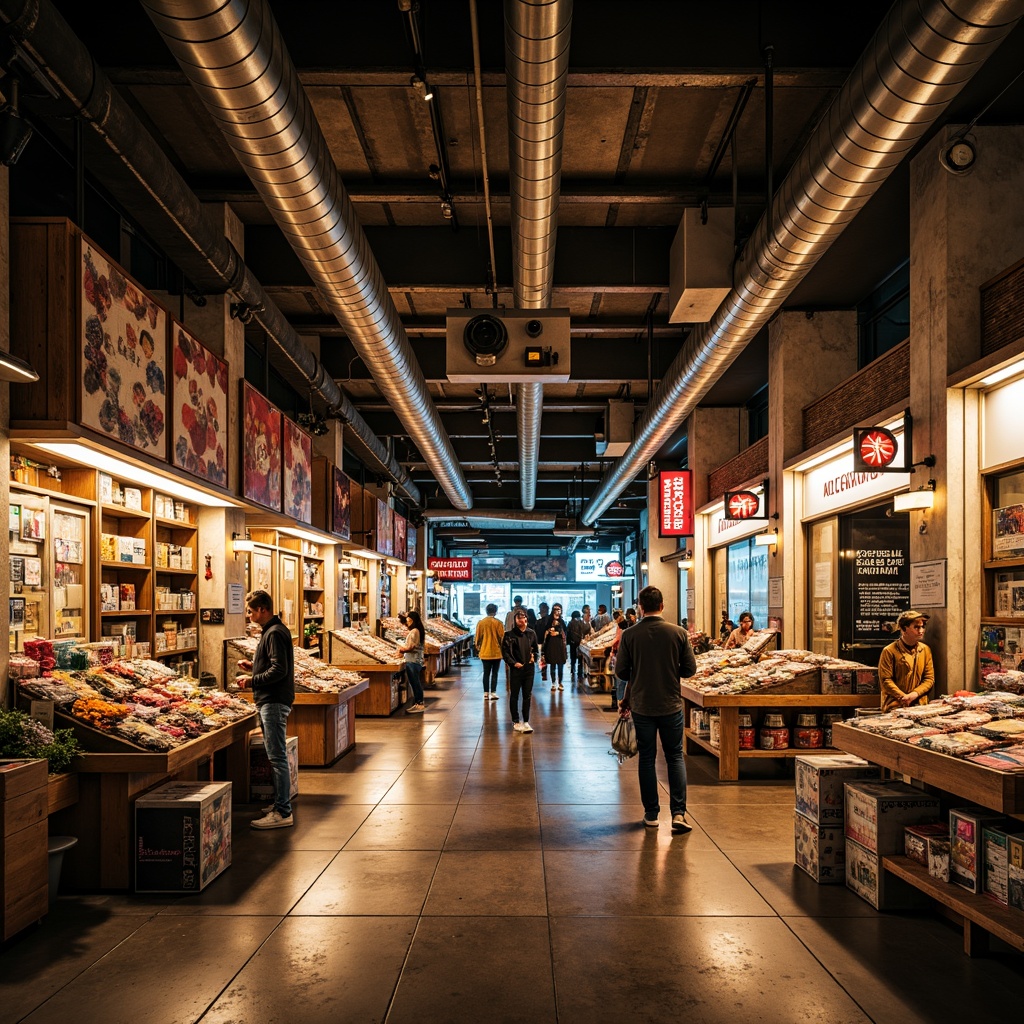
x=22 y=736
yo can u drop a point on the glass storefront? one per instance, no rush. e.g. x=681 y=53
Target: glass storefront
x=747 y=581
x=470 y=600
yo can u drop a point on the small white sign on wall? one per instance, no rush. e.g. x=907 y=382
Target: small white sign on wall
x=928 y=584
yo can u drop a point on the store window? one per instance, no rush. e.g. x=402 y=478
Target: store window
x=747 y=581
x=822 y=572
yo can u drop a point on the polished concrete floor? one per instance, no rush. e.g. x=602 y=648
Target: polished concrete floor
x=449 y=869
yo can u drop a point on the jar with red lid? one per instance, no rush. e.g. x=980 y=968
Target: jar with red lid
x=808 y=735
x=774 y=733
x=748 y=735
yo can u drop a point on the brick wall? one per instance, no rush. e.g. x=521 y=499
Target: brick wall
x=1002 y=310
x=880 y=385
x=748 y=465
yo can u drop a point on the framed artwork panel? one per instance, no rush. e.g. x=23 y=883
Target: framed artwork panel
x=400 y=532
x=298 y=483
x=123 y=345
x=261 y=449
x=341 y=504
x=199 y=409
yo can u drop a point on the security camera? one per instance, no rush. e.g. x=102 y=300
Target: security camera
x=486 y=338
x=534 y=328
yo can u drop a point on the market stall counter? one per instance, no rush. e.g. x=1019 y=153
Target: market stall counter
x=141 y=726
x=378 y=660
x=444 y=645
x=786 y=689
x=970 y=747
x=323 y=715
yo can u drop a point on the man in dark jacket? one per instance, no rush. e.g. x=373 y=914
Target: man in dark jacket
x=519 y=652
x=653 y=656
x=273 y=687
x=577 y=630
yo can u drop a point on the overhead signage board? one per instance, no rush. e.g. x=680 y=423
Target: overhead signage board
x=835 y=485
x=743 y=505
x=675 y=503
x=599 y=565
x=460 y=569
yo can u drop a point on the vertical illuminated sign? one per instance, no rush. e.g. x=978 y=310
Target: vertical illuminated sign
x=675 y=490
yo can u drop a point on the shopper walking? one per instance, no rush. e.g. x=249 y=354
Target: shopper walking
x=519 y=651
x=906 y=673
x=412 y=648
x=653 y=656
x=576 y=631
x=510 y=619
x=553 y=647
x=273 y=688
x=489 y=634
x=601 y=619
x=540 y=628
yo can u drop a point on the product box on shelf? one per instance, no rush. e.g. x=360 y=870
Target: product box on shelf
x=125 y=549
x=966 y=853
x=918 y=841
x=820 y=850
x=110 y=597
x=182 y=836
x=261 y=778
x=133 y=498
x=877 y=812
x=995 y=843
x=1015 y=871
x=819 y=784
x=862 y=679
x=870 y=881
x=109 y=547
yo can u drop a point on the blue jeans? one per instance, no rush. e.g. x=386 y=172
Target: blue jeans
x=274 y=726
x=670 y=728
x=491 y=674
x=412 y=671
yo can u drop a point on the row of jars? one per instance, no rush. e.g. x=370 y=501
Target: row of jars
x=774 y=734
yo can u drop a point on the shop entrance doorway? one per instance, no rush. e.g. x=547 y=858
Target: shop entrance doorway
x=874 y=581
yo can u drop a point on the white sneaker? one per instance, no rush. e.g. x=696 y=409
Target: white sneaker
x=526 y=727
x=494 y=696
x=517 y=726
x=273 y=820
x=553 y=687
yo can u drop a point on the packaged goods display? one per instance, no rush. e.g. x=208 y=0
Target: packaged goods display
x=866 y=876
x=140 y=702
x=774 y=733
x=808 y=735
x=792 y=671
x=382 y=651
x=916 y=840
x=1015 y=872
x=311 y=674
x=995 y=846
x=819 y=784
x=966 y=853
x=747 y=733
x=877 y=812
x=261 y=775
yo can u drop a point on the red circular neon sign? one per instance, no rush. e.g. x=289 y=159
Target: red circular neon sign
x=743 y=505
x=878 y=447
x=613 y=568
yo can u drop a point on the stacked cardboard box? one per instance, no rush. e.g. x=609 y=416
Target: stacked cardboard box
x=876 y=816
x=818 y=824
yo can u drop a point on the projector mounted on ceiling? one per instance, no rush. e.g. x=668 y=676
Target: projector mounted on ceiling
x=571 y=528
x=518 y=346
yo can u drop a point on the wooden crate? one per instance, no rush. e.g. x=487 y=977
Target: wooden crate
x=24 y=889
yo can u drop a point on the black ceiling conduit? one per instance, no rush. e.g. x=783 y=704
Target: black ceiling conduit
x=921 y=56
x=158 y=197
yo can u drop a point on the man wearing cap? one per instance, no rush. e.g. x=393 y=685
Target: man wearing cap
x=906 y=674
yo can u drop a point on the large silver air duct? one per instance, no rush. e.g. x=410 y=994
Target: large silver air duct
x=922 y=55
x=142 y=178
x=234 y=55
x=537 y=67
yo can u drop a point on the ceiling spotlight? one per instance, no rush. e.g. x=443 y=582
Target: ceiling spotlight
x=423 y=90
x=447 y=210
x=16 y=370
x=14 y=132
x=959 y=155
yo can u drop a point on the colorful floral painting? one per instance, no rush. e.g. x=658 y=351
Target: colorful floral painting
x=341 y=505
x=298 y=484
x=261 y=449
x=400 y=525
x=124 y=356
x=199 y=409
x=385 y=528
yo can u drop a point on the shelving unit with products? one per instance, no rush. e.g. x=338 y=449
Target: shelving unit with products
x=357 y=588
x=1001 y=643
x=313 y=567
x=176 y=556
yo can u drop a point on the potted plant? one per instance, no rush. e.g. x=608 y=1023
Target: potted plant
x=22 y=736
x=312 y=633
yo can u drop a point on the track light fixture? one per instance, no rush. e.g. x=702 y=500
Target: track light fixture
x=16 y=370
x=421 y=88
x=14 y=131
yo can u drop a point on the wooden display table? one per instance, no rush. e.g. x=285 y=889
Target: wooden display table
x=109 y=784
x=387 y=679
x=325 y=724
x=729 y=753
x=999 y=791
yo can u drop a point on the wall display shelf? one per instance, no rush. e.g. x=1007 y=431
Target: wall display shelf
x=356 y=585
x=385 y=672
x=729 y=705
x=313 y=597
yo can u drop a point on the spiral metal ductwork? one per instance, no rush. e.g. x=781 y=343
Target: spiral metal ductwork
x=922 y=55
x=537 y=67
x=234 y=55
x=172 y=213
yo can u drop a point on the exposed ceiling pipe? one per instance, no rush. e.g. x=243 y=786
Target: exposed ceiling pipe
x=484 y=518
x=537 y=66
x=234 y=55
x=922 y=55
x=146 y=182
x=478 y=88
